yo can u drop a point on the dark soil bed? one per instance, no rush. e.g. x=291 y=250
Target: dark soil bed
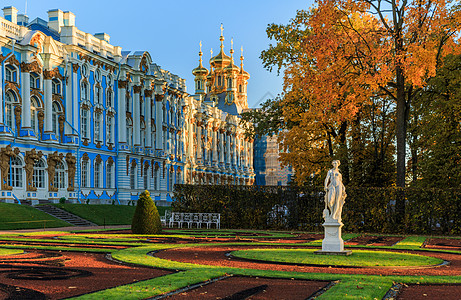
x=374 y=240
x=55 y=275
x=254 y=288
x=420 y=292
x=449 y=244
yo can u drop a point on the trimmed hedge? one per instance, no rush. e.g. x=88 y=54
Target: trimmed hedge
x=146 y=219
x=365 y=210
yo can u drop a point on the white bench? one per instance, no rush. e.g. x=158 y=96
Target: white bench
x=194 y=218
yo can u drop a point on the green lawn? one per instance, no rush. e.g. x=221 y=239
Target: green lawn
x=15 y=216
x=365 y=258
x=105 y=214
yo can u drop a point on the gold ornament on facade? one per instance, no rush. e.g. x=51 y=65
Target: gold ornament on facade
x=122 y=84
x=17 y=114
x=85 y=142
x=52 y=160
x=40 y=117
x=148 y=93
x=98 y=145
x=48 y=74
x=75 y=67
x=30 y=158
x=71 y=168
x=5 y=155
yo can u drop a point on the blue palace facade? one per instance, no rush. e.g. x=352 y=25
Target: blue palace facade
x=84 y=120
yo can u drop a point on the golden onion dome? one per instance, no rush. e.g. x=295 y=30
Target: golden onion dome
x=200 y=70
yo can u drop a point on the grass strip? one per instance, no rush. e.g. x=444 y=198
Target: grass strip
x=53 y=248
x=10 y=251
x=156 y=286
x=411 y=242
x=15 y=216
x=359 y=258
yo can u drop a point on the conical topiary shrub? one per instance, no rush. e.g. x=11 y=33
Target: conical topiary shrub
x=146 y=219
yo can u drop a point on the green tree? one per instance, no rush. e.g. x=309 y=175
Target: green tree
x=146 y=219
x=436 y=129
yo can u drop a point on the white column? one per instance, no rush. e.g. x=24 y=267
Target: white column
x=199 y=140
x=245 y=153
x=1 y=93
x=136 y=115
x=148 y=118
x=25 y=91
x=48 y=100
x=121 y=111
x=228 y=148
x=158 y=123
x=74 y=120
x=221 y=147
x=214 y=146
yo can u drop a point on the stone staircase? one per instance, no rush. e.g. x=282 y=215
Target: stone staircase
x=64 y=215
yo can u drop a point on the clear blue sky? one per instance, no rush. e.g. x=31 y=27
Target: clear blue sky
x=171 y=31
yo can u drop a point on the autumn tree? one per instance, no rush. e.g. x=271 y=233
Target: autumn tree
x=339 y=56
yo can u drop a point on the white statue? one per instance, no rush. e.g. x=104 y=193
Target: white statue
x=335 y=194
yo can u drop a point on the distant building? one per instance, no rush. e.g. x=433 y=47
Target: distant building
x=268 y=170
x=84 y=120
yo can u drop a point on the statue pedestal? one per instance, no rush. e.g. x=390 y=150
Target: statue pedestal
x=333 y=244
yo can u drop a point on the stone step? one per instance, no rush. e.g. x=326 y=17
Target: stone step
x=64 y=215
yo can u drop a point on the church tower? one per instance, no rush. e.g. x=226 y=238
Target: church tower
x=225 y=83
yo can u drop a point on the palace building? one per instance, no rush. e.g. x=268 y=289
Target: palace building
x=83 y=120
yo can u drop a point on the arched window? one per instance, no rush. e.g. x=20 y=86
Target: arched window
x=109 y=99
x=240 y=88
x=98 y=174
x=133 y=177
x=128 y=103
x=219 y=80
x=10 y=98
x=156 y=178
x=97 y=94
x=170 y=181
x=34 y=81
x=229 y=82
x=55 y=119
x=199 y=84
x=11 y=74
x=85 y=92
x=129 y=132
x=109 y=130
x=59 y=176
x=34 y=115
x=38 y=177
x=56 y=87
x=84 y=123
x=85 y=178
x=146 y=178
x=15 y=174
x=143 y=134
x=110 y=175
x=97 y=126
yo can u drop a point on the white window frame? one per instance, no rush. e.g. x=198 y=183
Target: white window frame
x=59 y=180
x=38 y=176
x=110 y=178
x=15 y=176
x=85 y=172
x=98 y=170
x=97 y=127
x=85 y=123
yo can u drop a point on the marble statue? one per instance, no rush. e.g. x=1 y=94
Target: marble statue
x=335 y=193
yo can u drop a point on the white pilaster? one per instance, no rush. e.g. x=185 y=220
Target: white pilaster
x=136 y=115
x=148 y=118
x=121 y=111
x=25 y=91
